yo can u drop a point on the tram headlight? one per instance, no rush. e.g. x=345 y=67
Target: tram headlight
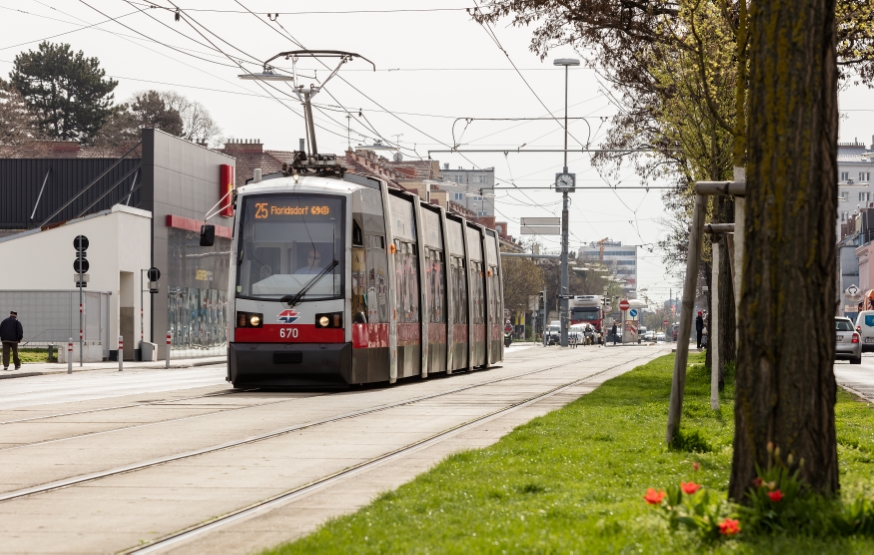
x=250 y=319
x=329 y=320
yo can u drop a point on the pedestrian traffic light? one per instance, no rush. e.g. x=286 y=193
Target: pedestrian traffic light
x=154 y=275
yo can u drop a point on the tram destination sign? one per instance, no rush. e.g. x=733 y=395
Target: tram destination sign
x=279 y=210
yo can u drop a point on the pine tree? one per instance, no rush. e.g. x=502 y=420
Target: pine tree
x=69 y=93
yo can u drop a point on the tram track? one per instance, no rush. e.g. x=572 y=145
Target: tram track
x=133 y=467
x=290 y=495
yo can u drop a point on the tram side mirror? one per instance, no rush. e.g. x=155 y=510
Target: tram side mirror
x=207 y=235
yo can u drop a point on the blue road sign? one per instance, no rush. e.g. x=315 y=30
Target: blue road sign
x=633 y=313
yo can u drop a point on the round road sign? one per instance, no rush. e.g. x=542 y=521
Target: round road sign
x=664 y=322
x=623 y=304
x=633 y=313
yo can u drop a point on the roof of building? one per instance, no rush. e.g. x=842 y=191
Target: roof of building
x=852 y=152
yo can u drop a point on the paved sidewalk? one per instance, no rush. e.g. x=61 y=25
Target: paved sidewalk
x=46 y=368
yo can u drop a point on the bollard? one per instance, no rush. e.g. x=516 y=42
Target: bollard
x=167 y=363
x=70 y=356
x=120 y=353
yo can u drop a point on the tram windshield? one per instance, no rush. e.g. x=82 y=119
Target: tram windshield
x=289 y=244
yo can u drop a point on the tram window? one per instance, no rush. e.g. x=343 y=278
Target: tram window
x=357 y=235
x=377 y=280
x=459 y=290
x=359 y=286
x=406 y=277
x=436 y=289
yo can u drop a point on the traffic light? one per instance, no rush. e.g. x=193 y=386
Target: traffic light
x=80 y=263
x=540 y=303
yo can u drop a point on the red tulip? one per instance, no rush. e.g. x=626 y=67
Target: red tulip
x=729 y=527
x=775 y=495
x=696 y=466
x=689 y=487
x=758 y=482
x=654 y=497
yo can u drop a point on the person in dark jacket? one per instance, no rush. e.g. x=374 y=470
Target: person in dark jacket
x=613 y=330
x=699 y=326
x=11 y=334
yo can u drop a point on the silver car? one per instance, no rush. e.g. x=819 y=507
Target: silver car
x=848 y=344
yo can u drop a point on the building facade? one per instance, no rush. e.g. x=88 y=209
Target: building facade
x=855 y=193
x=156 y=199
x=474 y=189
x=620 y=259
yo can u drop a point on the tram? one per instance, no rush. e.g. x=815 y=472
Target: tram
x=338 y=280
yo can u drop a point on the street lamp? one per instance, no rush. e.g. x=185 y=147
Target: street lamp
x=565 y=182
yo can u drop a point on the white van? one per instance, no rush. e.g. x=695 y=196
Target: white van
x=865 y=327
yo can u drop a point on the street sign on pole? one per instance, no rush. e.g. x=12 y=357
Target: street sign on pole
x=624 y=305
x=665 y=323
x=633 y=313
x=541 y=230
x=541 y=226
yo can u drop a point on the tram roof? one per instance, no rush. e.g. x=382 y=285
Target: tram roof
x=308 y=184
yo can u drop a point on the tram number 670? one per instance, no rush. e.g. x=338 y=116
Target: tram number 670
x=288 y=333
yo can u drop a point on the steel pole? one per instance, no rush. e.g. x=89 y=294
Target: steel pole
x=81 y=336
x=563 y=306
x=563 y=315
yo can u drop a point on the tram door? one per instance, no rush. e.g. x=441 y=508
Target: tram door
x=495 y=297
x=457 y=274
x=435 y=292
x=406 y=294
x=477 y=293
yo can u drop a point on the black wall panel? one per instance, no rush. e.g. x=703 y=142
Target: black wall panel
x=22 y=178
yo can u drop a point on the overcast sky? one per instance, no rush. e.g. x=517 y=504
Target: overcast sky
x=434 y=65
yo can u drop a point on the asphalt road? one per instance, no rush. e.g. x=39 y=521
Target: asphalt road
x=858 y=377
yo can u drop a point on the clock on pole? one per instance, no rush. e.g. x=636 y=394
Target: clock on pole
x=565 y=182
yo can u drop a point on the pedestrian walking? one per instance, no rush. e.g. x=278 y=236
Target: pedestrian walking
x=11 y=334
x=699 y=326
x=613 y=331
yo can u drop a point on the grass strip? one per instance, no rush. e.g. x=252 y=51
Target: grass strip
x=572 y=481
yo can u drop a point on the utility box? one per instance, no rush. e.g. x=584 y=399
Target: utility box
x=149 y=351
x=93 y=352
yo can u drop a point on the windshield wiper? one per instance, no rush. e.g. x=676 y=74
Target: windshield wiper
x=294 y=299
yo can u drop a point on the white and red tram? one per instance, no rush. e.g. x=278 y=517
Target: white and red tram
x=338 y=280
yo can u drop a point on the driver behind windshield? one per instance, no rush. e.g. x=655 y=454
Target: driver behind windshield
x=313 y=263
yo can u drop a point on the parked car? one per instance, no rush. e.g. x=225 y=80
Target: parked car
x=649 y=336
x=849 y=345
x=660 y=336
x=865 y=328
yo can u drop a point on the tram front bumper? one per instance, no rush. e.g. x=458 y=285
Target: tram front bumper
x=285 y=365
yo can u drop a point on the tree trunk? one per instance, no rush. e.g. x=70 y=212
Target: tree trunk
x=785 y=383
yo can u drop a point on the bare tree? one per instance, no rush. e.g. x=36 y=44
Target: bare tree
x=18 y=125
x=197 y=125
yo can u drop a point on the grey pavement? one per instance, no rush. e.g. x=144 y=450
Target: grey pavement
x=30 y=369
x=118 y=512
x=53 y=388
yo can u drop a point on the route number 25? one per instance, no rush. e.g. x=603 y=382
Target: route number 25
x=288 y=333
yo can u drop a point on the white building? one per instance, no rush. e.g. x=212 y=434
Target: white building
x=120 y=247
x=854 y=180
x=474 y=189
x=621 y=260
